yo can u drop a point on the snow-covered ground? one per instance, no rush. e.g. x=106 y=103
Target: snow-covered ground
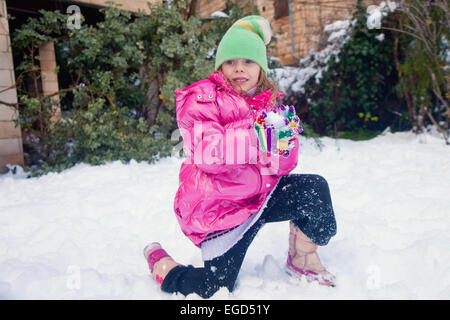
x=80 y=234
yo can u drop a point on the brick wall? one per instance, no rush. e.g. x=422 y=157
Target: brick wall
x=11 y=151
x=309 y=18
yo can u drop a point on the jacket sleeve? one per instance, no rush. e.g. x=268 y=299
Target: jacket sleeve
x=270 y=164
x=206 y=140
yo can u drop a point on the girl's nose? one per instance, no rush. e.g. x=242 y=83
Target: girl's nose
x=239 y=66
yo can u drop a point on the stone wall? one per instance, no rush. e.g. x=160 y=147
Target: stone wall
x=11 y=151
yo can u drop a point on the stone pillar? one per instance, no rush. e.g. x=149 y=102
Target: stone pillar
x=11 y=150
x=49 y=77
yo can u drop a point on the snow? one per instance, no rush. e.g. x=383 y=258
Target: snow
x=79 y=234
x=337 y=35
x=219 y=14
x=337 y=25
x=380 y=37
x=376 y=13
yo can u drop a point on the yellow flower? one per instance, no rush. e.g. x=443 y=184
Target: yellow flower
x=361 y=114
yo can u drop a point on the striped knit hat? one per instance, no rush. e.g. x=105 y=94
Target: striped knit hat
x=246 y=38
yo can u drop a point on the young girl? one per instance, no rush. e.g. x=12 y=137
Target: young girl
x=226 y=196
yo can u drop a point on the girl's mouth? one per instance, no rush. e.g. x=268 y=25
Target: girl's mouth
x=240 y=80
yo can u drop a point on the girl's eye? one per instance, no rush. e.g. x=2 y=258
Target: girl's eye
x=229 y=62
x=249 y=61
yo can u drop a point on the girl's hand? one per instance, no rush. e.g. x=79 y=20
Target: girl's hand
x=276 y=131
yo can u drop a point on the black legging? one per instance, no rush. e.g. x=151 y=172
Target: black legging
x=302 y=198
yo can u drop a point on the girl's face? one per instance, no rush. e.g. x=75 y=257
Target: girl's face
x=242 y=73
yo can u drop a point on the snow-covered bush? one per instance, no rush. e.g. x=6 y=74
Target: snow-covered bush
x=345 y=86
x=389 y=66
x=291 y=80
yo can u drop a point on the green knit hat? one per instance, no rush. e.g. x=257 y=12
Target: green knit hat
x=246 y=38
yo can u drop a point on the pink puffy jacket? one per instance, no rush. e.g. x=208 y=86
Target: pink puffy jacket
x=220 y=185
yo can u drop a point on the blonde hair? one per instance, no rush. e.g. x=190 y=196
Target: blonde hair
x=264 y=83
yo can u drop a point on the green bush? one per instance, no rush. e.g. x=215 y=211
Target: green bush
x=356 y=91
x=99 y=134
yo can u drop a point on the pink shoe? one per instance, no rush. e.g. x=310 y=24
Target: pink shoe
x=324 y=279
x=153 y=253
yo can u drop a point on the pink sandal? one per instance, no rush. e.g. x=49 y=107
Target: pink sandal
x=324 y=279
x=153 y=253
